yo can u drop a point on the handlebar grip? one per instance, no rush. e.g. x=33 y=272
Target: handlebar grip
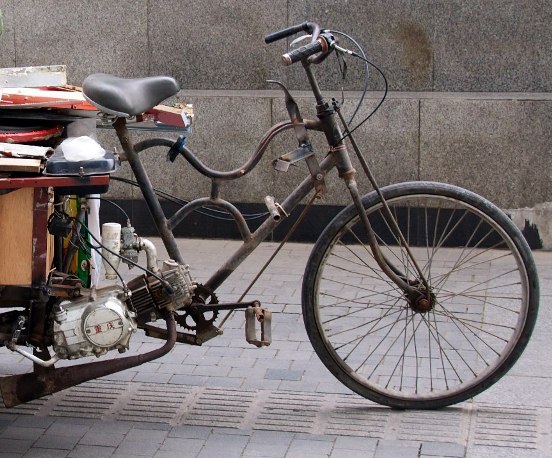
x=303 y=52
x=275 y=36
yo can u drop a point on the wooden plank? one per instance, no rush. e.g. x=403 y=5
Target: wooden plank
x=180 y=116
x=16 y=237
x=28 y=97
x=22 y=150
x=55 y=181
x=46 y=75
x=42 y=249
x=11 y=164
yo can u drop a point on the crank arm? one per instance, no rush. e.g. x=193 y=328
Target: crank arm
x=183 y=337
x=202 y=308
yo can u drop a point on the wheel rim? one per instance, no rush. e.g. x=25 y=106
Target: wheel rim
x=376 y=337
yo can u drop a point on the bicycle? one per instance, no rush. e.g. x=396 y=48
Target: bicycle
x=416 y=295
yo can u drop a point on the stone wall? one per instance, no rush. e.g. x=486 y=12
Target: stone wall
x=470 y=82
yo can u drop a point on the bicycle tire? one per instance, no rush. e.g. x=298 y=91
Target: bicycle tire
x=486 y=301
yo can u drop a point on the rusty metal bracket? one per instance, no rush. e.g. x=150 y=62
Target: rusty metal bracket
x=283 y=162
x=304 y=152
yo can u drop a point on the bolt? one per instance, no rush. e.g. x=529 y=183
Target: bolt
x=423 y=304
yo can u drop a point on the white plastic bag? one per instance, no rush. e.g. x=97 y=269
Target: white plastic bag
x=76 y=149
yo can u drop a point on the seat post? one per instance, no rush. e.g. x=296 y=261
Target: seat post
x=146 y=187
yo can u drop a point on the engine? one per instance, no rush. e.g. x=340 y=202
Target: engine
x=88 y=327
x=105 y=319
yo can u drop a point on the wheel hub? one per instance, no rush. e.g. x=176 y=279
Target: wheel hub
x=422 y=302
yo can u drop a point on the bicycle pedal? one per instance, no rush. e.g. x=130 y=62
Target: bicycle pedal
x=264 y=317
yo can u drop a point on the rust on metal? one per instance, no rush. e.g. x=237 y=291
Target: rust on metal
x=17 y=389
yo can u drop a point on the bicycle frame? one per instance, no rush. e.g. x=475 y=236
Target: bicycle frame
x=250 y=240
x=338 y=157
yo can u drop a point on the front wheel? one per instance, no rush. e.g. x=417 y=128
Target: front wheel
x=483 y=288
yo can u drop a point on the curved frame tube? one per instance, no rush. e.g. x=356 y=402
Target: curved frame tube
x=182 y=213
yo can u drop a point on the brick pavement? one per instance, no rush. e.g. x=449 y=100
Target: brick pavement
x=227 y=398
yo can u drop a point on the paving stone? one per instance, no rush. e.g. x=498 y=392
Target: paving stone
x=45 y=453
x=185 y=379
x=203 y=360
x=256 y=384
x=174 y=444
x=224 y=445
x=176 y=368
x=56 y=441
x=101 y=439
x=310 y=447
x=221 y=431
x=224 y=382
x=64 y=428
x=27 y=421
x=142 y=426
x=137 y=435
x=302 y=385
x=443 y=449
x=503 y=452
x=20 y=433
x=356 y=443
x=386 y=449
x=176 y=454
x=113 y=427
x=282 y=374
x=254 y=450
x=152 y=377
x=278 y=363
x=91 y=451
x=271 y=437
x=137 y=448
x=219 y=371
x=192 y=432
x=236 y=362
x=350 y=453
x=125 y=376
x=224 y=352
x=16 y=446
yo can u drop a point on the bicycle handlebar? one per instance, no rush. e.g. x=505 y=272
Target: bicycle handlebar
x=309 y=27
x=320 y=45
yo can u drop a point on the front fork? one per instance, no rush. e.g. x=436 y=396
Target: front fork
x=416 y=296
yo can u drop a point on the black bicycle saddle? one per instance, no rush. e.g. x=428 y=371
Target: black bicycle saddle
x=127 y=96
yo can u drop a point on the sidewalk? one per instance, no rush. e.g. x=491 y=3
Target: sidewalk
x=229 y=399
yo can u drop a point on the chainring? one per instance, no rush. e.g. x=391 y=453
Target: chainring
x=189 y=320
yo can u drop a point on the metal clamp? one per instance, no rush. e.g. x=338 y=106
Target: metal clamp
x=264 y=317
x=304 y=151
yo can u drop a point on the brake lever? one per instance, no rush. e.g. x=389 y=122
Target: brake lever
x=299 y=40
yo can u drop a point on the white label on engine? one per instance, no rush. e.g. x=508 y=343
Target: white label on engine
x=103 y=327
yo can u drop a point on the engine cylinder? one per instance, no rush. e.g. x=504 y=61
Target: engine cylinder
x=150 y=296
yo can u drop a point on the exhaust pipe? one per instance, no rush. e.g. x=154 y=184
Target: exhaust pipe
x=18 y=389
